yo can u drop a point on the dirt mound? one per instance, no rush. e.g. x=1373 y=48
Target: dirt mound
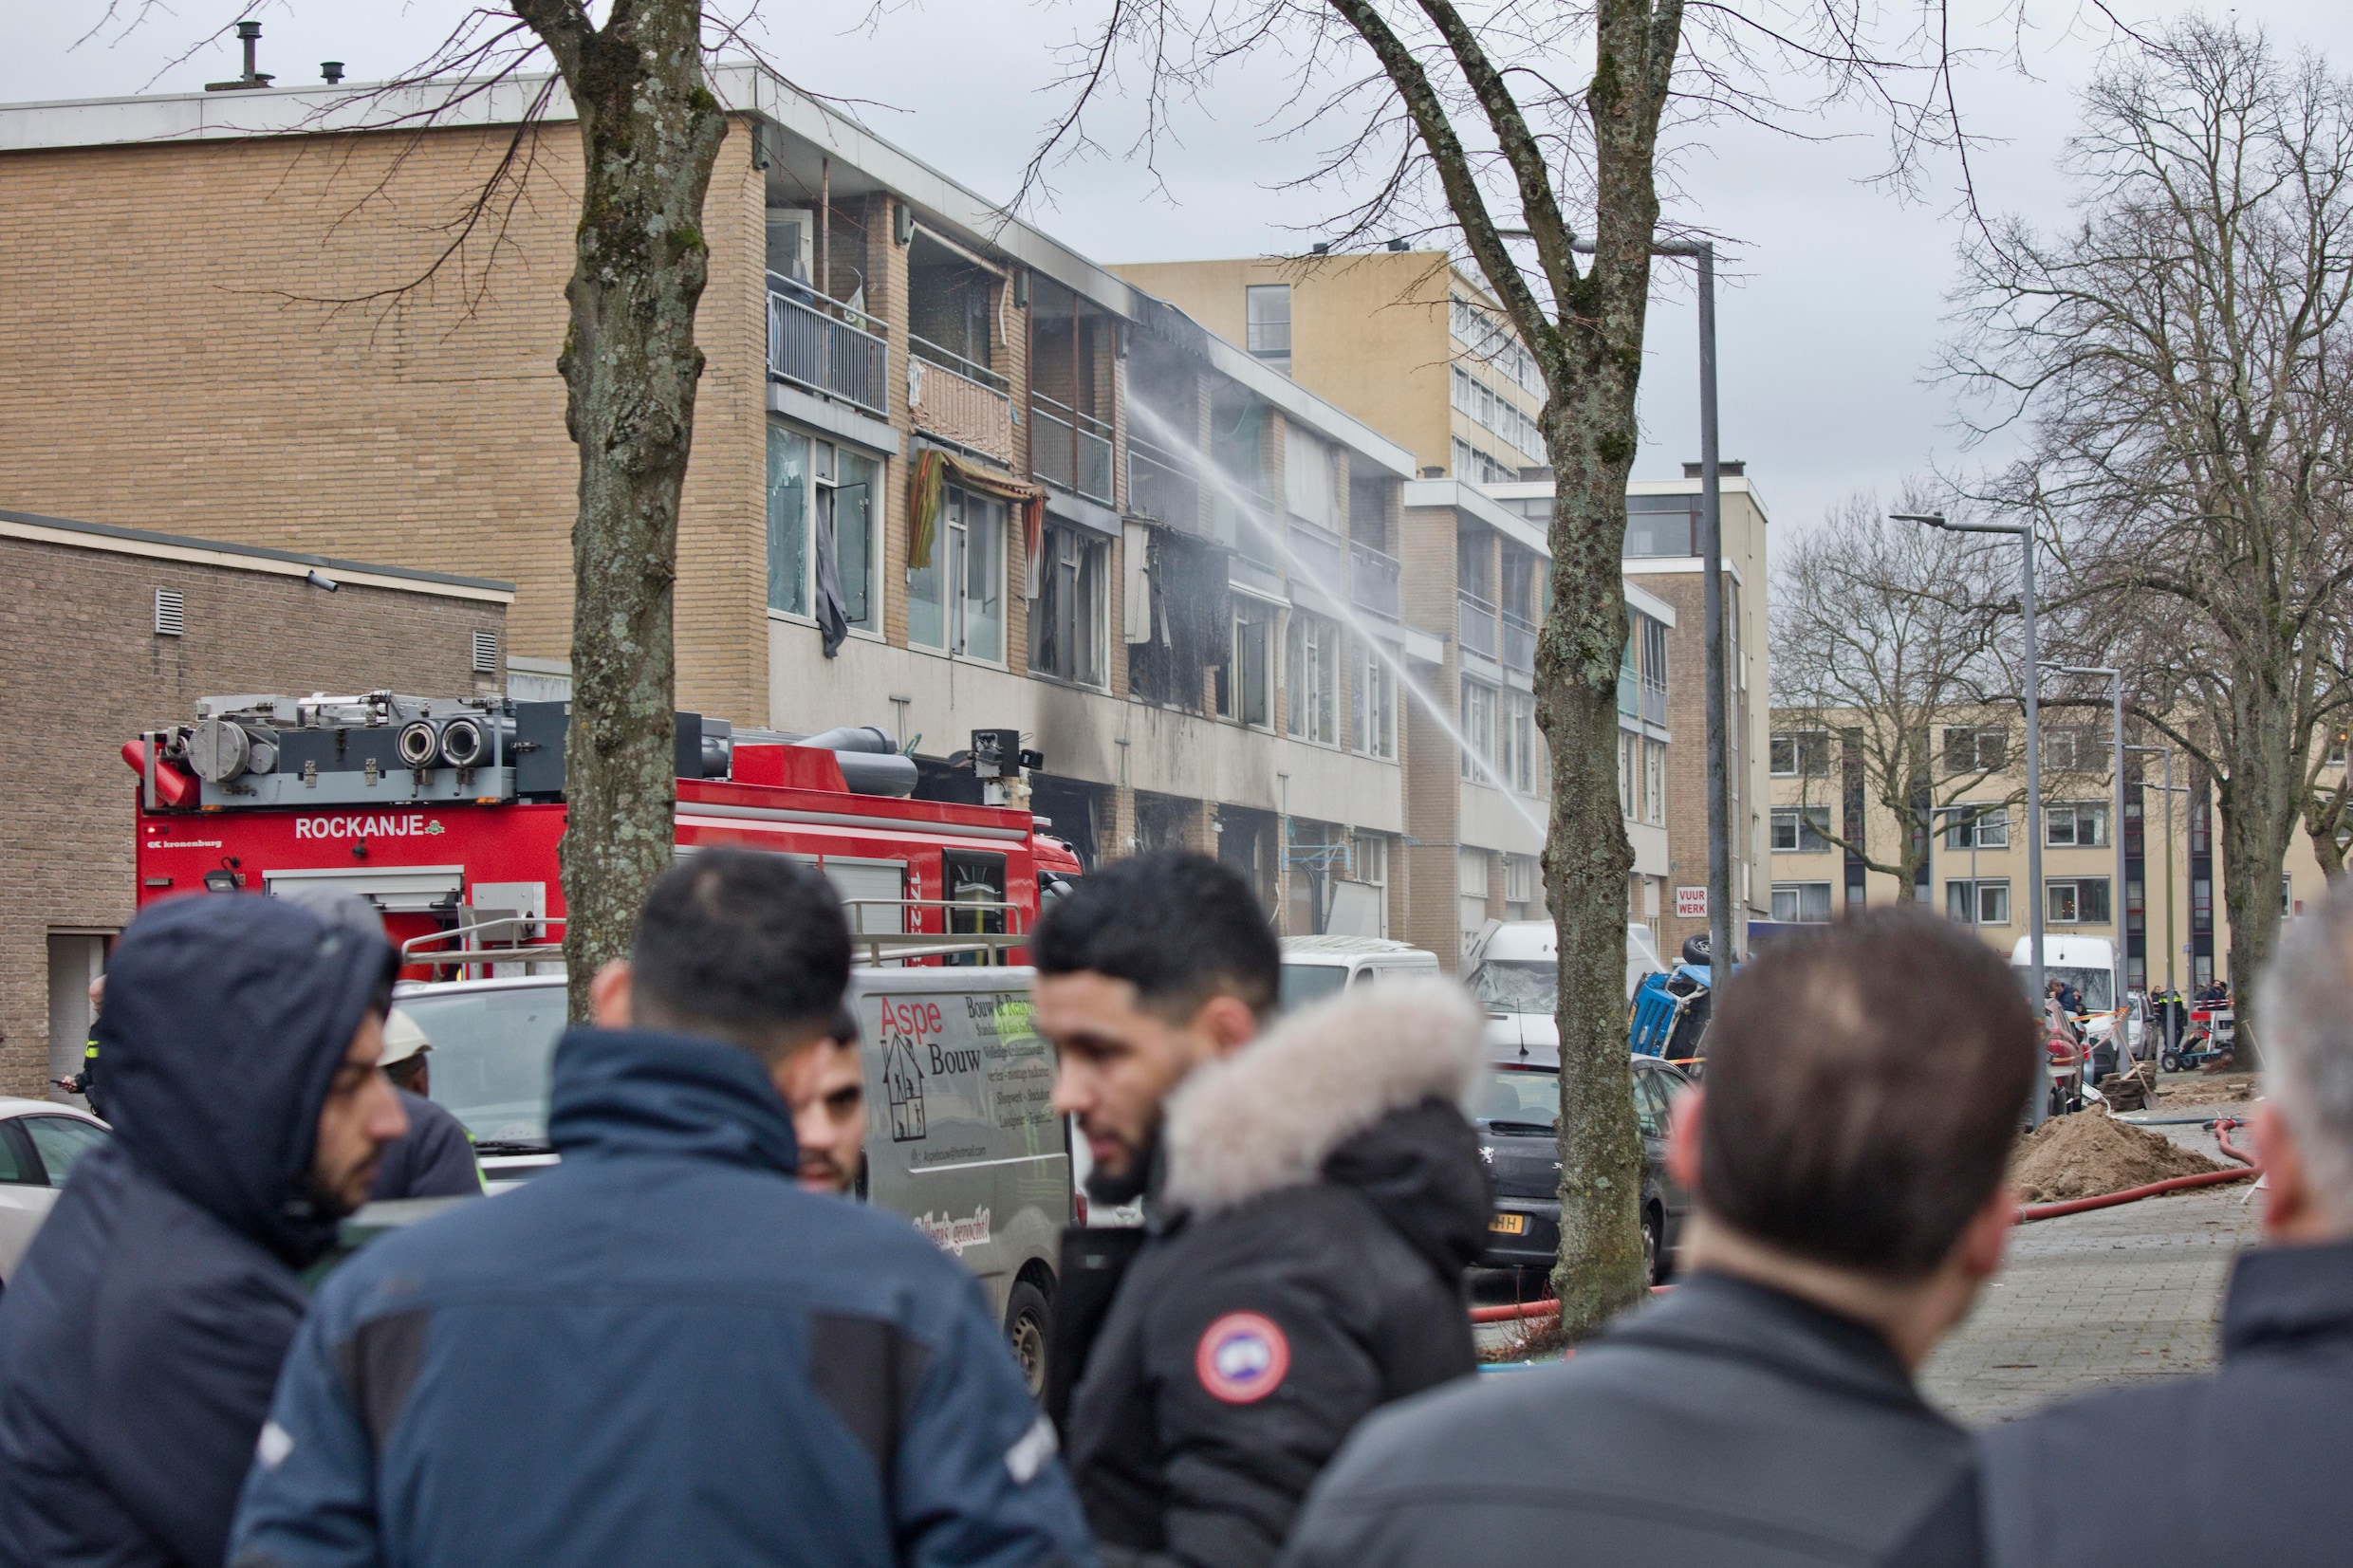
x=2090 y=1154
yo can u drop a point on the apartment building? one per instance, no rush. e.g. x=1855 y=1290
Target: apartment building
x=2170 y=913
x=947 y=473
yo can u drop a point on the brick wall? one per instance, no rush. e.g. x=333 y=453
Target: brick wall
x=87 y=671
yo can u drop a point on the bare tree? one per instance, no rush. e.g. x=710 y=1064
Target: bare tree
x=2177 y=361
x=1476 y=122
x=1887 y=670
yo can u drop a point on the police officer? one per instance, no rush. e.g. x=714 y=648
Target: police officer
x=85 y=1082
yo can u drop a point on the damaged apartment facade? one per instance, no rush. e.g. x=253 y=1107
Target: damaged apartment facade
x=948 y=474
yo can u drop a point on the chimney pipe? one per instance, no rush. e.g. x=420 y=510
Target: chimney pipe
x=330 y=71
x=249 y=32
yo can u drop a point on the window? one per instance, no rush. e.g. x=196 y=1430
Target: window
x=1476 y=467
x=1799 y=830
x=1519 y=887
x=1802 y=903
x=1478 y=730
x=1471 y=888
x=1374 y=696
x=2334 y=756
x=1245 y=687
x=1067 y=620
x=1312 y=663
x=1978 y=903
x=1975 y=748
x=956 y=601
x=1655 y=783
x=822 y=506
x=1268 y=310
x=1976 y=826
x=2077 y=825
x=1629 y=776
x=1518 y=728
x=1800 y=754
x=61 y=1140
x=1307 y=489
x=2077 y=901
x=1662 y=525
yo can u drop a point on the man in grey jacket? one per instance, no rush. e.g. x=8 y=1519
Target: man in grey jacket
x=1863 y=1089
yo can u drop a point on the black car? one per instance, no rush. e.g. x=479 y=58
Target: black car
x=1516 y=1111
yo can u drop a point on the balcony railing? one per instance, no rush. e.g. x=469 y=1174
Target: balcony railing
x=1373 y=587
x=950 y=396
x=1475 y=624
x=1629 y=692
x=1323 y=555
x=1069 y=449
x=1519 y=643
x=828 y=348
x=1162 y=486
x=1654 y=703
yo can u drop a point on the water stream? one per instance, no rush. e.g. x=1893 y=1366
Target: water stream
x=1275 y=532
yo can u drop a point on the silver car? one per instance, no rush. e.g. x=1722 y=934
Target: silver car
x=962 y=1135
x=39 y=1144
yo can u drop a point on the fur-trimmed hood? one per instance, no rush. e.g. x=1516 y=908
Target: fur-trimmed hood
x=1363 y=1090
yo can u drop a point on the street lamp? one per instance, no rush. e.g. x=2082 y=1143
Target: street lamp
x=2023 y=533
x=2115 y=696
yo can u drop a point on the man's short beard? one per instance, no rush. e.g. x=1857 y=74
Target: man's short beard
x=328 y=1203
x=1104 y=1187
x=836 y=1178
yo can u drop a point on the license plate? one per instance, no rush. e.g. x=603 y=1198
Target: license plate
x=1509 y=1225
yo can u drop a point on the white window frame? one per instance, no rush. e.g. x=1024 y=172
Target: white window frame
x=1976 y=824
x=1798 y=742
x=1797 y=893
x=1057 y=544
x=1255 y=613
x=2076 y=812
x=1372 y=699
x=1479 y=727
x=1973 y=894
x=950 y=560
x=2071 y=887
x=820 y=465
x=1311 y=668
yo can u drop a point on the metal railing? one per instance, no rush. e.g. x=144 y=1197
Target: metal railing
x=1069 y=449
x=1629 y=692
x=1323 y=554
x=1654 y=703
x=1374 y=583
x=1519 y=642
x=1474 y=625
x=1162 y=486
x=950 y=396
x=898 y=947
x=461 y=947
x=828 y=348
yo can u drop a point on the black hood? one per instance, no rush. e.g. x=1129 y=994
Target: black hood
x=226 y=1017
x=1422 y=1169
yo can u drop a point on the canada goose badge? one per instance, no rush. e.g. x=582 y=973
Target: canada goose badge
x=1242 y=1359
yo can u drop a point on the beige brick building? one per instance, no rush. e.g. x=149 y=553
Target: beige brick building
x=108 y=630
x=202 y=317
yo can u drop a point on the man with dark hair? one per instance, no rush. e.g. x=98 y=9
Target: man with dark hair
x=2258 y=1446
x=1846 y=1156
x=664 y=1349
x=1314 y=1197
x=142 y=1335
x=825 y=1088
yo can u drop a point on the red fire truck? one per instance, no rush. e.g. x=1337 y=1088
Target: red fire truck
x=446 y=815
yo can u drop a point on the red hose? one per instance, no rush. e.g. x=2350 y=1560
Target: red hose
x=1548 y=1307
x=2030 y=1212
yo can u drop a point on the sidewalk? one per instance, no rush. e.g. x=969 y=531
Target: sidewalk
x=2116 y=1296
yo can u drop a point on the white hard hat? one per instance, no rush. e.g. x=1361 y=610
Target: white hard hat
x=402 y=1039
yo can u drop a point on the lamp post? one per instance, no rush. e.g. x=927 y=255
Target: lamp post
x=2115 y=698
x=2023 y=533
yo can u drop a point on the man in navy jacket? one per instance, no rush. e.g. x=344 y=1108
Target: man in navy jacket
x=664 y=1349
x=142 y=1338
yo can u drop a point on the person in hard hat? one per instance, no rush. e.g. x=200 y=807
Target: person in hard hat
x=436 y=1160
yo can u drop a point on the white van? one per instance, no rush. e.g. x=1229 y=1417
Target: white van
x=1317 y=966
x=2088 y=964
x=1513 y=969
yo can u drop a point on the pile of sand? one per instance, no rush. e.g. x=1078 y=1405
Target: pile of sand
x=2090 y=1154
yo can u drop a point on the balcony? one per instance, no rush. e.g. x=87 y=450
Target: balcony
x=1519 y=643
x=1321 y=557
x=1374 y=585
x=1069 y=449
x=1629 y=692
x=1654 y=703
x=1160 y=486
x=829 y=349
x=969 y=404
x=1476 y=625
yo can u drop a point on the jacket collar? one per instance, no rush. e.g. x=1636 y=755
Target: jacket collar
x=1717 y=1314
x=2282 y=1295
x=637 y=1092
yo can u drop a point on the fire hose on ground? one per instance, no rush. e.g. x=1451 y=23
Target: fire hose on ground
x=1551 y=1307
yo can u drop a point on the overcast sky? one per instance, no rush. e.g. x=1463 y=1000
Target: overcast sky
x=1829 y=321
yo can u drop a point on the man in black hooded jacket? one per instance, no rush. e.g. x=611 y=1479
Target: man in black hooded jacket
x=1314 y=1197
x=141 y=1339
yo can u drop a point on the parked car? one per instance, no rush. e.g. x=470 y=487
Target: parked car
x=1513 y=967
x=1517 y=1115
x=1317 y=966
x=962 y=1134
x=39 y=1143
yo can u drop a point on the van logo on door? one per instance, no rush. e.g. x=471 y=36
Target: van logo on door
x=902 y=1078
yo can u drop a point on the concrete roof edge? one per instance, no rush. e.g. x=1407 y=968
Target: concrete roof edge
x=1298 y=403
x=256 y=552
x=1649 y=603
x=1470 y=498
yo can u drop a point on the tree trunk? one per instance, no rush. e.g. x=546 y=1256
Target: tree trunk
x=2260 y=808
x=1590 y=436
x=651 y=130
